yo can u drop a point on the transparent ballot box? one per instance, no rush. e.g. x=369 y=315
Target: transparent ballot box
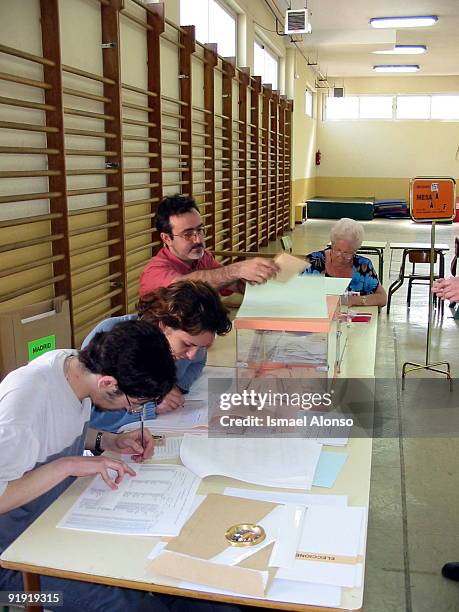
x=291 y=347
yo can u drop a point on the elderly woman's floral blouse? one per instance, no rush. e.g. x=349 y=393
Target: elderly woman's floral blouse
x=364 y=278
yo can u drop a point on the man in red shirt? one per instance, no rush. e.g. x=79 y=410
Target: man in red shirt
x=183 y=254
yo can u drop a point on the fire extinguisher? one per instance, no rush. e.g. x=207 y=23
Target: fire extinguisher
x=318 y=156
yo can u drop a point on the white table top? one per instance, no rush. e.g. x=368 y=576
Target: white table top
x=121 y=560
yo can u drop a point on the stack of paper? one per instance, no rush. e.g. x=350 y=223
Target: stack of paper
x=302 y=348
x=202 y=552
x=331 y=548
x=300 y=297
x=274 y=462
x=191 y=418
x=329 y=557
x=157 y=501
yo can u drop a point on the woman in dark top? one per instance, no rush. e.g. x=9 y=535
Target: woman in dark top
x=341 y=260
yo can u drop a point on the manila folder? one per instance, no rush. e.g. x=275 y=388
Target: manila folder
x=189 y=555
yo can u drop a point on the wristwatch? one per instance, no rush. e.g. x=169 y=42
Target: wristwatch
x=97 y=447
x=364 y=300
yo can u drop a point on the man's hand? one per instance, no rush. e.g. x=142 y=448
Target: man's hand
x=89 y=466
x=130 y=442
x=447 y=288
x=258 y=270
x=173 y=400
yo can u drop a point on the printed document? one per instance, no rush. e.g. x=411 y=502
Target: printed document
x=155 y=502
x=273 y=462
x=331 y=547
x=191 y=418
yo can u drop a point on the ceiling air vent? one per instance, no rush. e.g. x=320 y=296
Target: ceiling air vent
x=297 y=22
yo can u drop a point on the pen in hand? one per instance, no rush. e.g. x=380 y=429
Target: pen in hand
x=142 y=416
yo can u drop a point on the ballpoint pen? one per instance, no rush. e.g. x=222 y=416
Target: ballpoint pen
x=142 y=417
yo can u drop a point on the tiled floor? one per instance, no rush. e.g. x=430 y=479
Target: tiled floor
x=414 y=509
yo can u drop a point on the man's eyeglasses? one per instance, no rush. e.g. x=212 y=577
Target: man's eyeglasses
x=191 y=234
x=134 y=406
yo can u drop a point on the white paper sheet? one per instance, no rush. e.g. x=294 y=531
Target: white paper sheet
x=193 y=416
x=273 y=462
x=332 y=532
x=283 y=497
x=289 y=591
x=156 y=501
x=301 y=297
x=169 y=450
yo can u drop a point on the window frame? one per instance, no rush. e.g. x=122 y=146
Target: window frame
x=309 y=91
x=227 y=9
x=394 y=117
x=267 y=49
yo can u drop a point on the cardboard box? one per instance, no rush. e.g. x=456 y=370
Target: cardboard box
x=29 y=332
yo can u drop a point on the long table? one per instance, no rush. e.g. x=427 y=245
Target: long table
x=45 y=550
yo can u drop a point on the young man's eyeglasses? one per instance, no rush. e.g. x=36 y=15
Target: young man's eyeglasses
x=191 y=234
x=134 y=406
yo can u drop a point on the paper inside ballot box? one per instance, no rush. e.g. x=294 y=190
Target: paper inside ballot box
x=189 y=555
x=290 y=266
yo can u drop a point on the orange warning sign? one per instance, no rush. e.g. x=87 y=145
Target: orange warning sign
x=432 y=199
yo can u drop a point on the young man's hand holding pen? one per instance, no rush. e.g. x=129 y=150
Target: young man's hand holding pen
x=130 y=442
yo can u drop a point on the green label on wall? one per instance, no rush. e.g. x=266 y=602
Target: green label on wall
x=37 y=347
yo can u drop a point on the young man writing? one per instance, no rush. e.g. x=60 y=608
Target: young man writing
x=44 y=412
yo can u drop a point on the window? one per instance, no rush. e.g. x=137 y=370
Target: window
x=308 y=103
x=420 y=107
x=413 y=107
x=445 y=107
x=265 y=64
x=214 y=24
x=376 y=107
x=342 y=108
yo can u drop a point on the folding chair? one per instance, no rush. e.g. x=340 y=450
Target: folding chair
x=286 y=244
x=413 y=257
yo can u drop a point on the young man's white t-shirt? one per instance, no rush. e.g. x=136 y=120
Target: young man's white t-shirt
x=40 y=415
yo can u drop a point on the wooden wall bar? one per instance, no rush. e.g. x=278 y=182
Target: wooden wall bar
x=104 y=145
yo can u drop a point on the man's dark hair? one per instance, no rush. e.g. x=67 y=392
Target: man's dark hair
x=192 y=306
x=173 y=205
x=137 y=354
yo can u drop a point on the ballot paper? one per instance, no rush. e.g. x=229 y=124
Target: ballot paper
x=169 y=450
x=273 y=462
x=155 y=502
x=331 y=548
x=300 y=297
x=192 y=417
x=289 y=266
x=298 y=347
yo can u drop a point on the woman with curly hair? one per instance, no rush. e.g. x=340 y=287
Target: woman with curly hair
x=190 y=314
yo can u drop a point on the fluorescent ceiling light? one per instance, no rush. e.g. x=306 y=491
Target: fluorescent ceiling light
x=403 y=50
x=397 y=68
x=403 y=22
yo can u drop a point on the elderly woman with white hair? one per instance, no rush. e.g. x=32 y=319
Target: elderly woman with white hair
x=341 y=260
